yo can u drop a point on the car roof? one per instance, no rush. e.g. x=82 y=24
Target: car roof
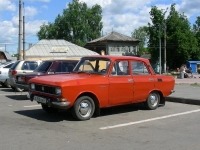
x=112 y=57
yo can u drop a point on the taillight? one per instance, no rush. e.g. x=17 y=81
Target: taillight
x=14 y=72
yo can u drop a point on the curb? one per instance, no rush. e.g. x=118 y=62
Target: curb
x=183 y=100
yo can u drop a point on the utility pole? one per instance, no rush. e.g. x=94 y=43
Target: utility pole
x=165 y=62
x=160 y=49
x=20 y=31
x=24 y=40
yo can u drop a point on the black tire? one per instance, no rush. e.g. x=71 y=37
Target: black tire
x=13 y=88
x=152 y=101
x=83 y=108
x=48 y=109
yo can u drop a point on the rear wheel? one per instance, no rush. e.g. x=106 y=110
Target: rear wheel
x=153 y=100
x=83 y=108
x=13 y=88
x=49 y=109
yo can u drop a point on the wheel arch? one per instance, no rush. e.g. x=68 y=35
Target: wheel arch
x=162 y=98
x=95 y=99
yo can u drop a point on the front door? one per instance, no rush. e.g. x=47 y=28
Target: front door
x=120 y=84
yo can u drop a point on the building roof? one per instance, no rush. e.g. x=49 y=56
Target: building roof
x=57 y=48
x=114 y=36
x=7 y=55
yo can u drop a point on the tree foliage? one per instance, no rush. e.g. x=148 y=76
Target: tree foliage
x=78 y=24
x=181 y=44
x=141 y=34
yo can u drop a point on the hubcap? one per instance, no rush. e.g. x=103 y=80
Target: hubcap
x=153 y=100
x=85 y=108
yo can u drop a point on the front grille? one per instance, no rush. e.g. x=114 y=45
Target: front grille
x=45 y=89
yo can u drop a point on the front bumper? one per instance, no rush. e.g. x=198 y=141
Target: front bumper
x=51 y=102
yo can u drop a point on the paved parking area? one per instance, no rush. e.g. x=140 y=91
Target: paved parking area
x=24 y=125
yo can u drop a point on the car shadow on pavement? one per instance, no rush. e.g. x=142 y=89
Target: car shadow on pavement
x=66 y=115
x=39 y=114
x=17 y=97
x=8 y=90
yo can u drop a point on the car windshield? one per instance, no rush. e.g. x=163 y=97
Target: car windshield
x=93 y=65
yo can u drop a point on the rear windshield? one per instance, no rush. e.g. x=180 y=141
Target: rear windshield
x=43 y=67
x=14 y=65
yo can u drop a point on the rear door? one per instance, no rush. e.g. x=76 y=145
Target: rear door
x=143 y=80
x=120 y=84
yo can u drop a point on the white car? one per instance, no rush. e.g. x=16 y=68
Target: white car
x=4 y=68
x=21 y=67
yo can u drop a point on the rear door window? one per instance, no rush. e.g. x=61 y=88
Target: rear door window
x=29 y=65
x=65 y=67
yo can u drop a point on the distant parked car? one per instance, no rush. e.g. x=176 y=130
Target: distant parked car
x=47 y=67
x=21 y=67
x=4 y=68
x=100 y=82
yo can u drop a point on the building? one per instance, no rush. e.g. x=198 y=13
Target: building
x=114 y=44
x=5 y=56
x=56 y=49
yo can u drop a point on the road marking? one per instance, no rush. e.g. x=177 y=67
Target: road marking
x=33 y=106
x=148 y=120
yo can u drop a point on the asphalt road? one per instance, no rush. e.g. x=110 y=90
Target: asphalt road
x=25 y=126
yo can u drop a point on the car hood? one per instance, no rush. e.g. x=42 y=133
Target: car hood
x=60 y=80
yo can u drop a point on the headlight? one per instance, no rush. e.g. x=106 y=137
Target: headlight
x=58 y=91
x=32 y=86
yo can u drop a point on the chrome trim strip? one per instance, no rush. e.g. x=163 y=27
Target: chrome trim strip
x=63 y=104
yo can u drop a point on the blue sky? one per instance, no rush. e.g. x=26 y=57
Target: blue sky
x=122 y=16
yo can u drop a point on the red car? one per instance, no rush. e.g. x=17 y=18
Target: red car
x=47 y=67
x=102 y=81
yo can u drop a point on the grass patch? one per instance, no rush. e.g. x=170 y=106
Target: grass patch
x=195 y=84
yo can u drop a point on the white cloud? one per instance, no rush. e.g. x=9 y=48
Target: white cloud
x=45 y=7
x=11 y=32
x=40 y=0
x=32 y=27
x=189 y=7
x=7 y=5
x=30 y=11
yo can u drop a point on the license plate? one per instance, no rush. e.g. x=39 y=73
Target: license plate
x=39 y=99
x=19 y=79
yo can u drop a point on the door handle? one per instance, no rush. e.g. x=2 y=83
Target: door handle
x=150 y=79
x=130 y=80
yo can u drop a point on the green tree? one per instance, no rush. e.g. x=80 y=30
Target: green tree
x=181 y=43
x=78 y=24
x=155 y=32
x=196 y=31
x=141 y=34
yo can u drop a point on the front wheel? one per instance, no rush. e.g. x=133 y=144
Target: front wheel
x=49 y=109
x=153 y=101
x=83 y=108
